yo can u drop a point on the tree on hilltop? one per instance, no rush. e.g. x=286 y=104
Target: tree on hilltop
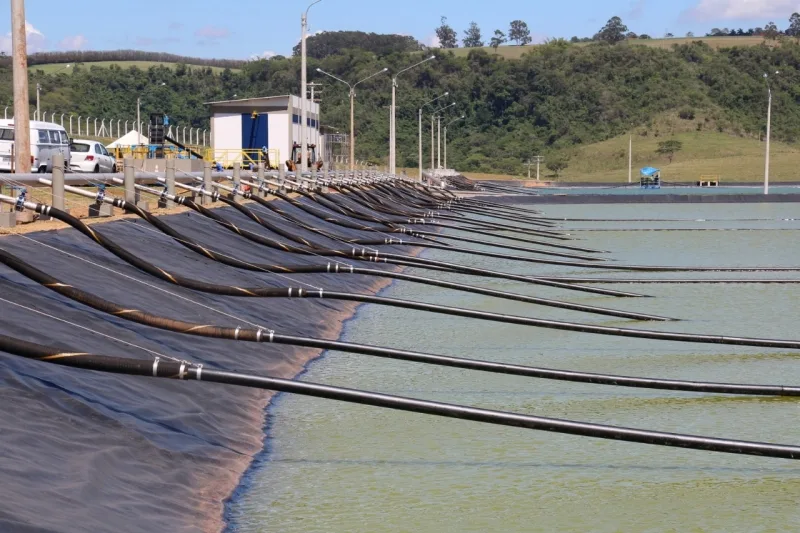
x=472 y=36
x=447 y=35
x=669 y=148
x=771 y=31
x=794 y=25
x=519 y=33
x=498 y=39
x=614 y=31
x=557 y=165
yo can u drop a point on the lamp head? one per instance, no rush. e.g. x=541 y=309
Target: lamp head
x=385 y=69
x=319 y=70
x=432 y=57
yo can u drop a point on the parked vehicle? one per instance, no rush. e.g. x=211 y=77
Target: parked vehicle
x=47 y=139
x=91 y=156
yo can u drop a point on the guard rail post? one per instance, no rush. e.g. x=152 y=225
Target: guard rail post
x=237 y=181
x=206 y=200
x=57 y=191
x=8 y=216
x=261 y=175
x=169 y=184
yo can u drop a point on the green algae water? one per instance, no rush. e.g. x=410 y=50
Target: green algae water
x=337 y=467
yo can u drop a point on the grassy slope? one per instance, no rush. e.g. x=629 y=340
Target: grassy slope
x=55 y=68
x=515 y=52
x=730 y=157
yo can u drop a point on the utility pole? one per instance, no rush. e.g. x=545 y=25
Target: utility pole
x=303 y=88
x=419 y=160
x=439 y=142
x=630 y=159
x=433 y=146
x=19 y=56
x=538 y=159
x=393 y=117
x=138 y=120
x=769 y=132
x=313 y=101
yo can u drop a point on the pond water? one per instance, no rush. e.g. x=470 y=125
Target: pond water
x=337 y=467
x=635 y=189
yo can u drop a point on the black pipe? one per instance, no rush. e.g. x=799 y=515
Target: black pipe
x=377 y=242
x=267 y=336
x=184 y=371
x=551 y=324
x=293 y=292
x=353 y=253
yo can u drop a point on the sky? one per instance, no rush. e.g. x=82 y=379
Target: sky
x=245 y=29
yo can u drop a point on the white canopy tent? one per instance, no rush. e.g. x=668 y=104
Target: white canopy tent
x=132 y=138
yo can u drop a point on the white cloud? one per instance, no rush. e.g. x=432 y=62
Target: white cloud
x=35 y=39
x=74 y=42
x=742 y=9
x=432 y=41
x=211 y=35
x=213 y=32
x=267 y=54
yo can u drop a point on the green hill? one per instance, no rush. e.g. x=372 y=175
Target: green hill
x=558 y=100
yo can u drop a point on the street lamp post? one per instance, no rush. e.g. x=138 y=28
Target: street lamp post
x=433 y=123
x=769 y=131
x=462 y=117
x=393 y=121
x=352 y=109
x=38 y=91
x=304 y=88
x=420 y=129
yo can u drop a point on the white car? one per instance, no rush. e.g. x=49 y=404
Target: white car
x=91 y=156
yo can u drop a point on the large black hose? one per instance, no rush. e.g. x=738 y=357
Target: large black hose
x=353 y=253
x=292 y=292
x=303 y=293
x=332 y=205
x=184 y=371
x=319 y=249
x=378 y=242
x=327 y=217
x=268 y=336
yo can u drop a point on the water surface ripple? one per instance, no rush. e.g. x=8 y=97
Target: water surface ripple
x=335 y=467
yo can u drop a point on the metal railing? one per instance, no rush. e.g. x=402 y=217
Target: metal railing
x=227 y=157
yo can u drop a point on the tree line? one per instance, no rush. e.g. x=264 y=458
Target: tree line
x=518 y=32
x=329 y=43
x=85 y=56
x=613 y=32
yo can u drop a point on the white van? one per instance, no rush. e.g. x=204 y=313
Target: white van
x=47 y=139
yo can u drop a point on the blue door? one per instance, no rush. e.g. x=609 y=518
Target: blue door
x=254 y=132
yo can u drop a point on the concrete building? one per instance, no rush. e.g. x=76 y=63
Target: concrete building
x=241 y=128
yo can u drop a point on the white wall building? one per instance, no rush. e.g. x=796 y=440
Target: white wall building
x=253 y=123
